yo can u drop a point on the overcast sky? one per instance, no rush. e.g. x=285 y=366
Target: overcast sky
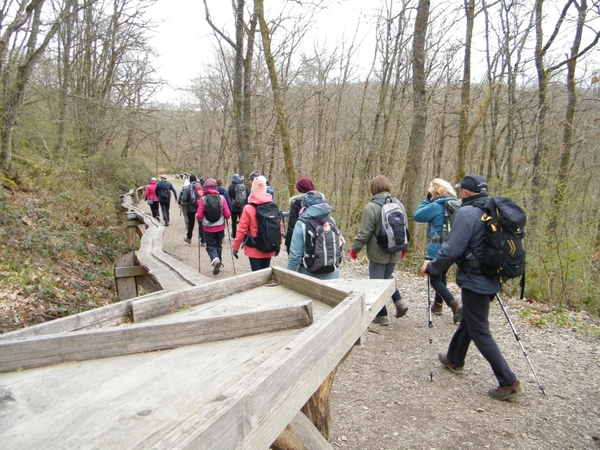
x=184 y=40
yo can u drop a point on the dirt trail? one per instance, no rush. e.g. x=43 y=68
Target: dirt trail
x=383 y=397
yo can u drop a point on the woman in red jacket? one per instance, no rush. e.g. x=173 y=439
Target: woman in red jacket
x=150 y=195
x=248 y=225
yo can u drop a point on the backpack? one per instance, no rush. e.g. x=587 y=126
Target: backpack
x=239 y=200
x=504 y=256
x=450 y=207
x=165 y=192
x=393 y=234
x=212 y=207
x=322 y=245
x=268 y=218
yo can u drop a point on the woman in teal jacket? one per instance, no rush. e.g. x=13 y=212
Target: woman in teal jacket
x=431 y=211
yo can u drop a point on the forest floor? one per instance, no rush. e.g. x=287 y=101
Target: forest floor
x=391 y=392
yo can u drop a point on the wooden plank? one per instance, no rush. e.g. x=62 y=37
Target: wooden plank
x=150 y=308
x=257 y=409
x=84 y=345
x=123 y=272
x=301 y=434
x=316 y=289
x=148 y=283
x=126 y=288
x=110 y=315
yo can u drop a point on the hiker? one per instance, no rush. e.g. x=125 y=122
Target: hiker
x=381 y=263
x=315 y=212
x=189 y=205
x=465 y=247
x=432 y=211
x=223 y=192
x=237 y=194
x=151 y=198
x=302 y=186
x=248 y=228
x=163 y=192
x=182 y=208
x=213 y=212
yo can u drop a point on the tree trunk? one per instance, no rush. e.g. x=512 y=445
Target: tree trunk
x=411 y=181
x=277 y=96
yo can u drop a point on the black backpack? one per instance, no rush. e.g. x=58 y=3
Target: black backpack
x=393 y=234
x=212 y=207
x=322 y=246
x=450 y=207
x=268 y=218
x=504 y=256
x=239 y=200
x=165 y=192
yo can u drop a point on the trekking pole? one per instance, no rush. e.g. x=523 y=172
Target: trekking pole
x=514 y=330
x=430 y=329
x=199 y=247
x=230 y=247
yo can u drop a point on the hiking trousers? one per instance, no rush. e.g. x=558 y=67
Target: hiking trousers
x=383 y=272
x=475 y=326
x=214 y=244
x=164 y=208
x=442 y=293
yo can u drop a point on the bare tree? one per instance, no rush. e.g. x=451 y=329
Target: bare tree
x=411 y=180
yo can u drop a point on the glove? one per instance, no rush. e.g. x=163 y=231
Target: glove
x=353 y=254
x=235 y=254
x=403 y=255
x=428 y=195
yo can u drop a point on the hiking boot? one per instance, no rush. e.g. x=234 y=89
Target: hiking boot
x=187 y=239
x=454 y=368
x=436 y=308
x=506 y=392
x=401 y=308
x=384 y=321
x=216 y=263
x=456 y=308
x=166 y=223
x=202 y=244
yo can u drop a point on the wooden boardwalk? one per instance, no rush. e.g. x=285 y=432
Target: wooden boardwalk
x=241 y=363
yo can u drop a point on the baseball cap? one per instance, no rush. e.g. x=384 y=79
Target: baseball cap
x=473 y=183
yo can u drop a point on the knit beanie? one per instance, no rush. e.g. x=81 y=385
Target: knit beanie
x=304 y=184
x=236 y=178
x=259 y=184
x=193 y=178
x=211 y=183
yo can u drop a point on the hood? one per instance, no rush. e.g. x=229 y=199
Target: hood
x=211 y=191
x=320 y=210
x=443 y=200
x=295 y=198
x=260 y=197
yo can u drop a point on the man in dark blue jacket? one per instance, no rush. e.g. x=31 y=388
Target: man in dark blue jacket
x=163 y=192
x=464 y=246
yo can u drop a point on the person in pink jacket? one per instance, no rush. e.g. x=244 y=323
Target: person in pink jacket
x=248 y=225
x=214 y=227
x=150 y=195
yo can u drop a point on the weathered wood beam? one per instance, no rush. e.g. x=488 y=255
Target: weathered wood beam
x=301 y=434
x=83 y=345
x=309 y=286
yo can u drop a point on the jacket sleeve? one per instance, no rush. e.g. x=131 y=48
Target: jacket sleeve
x=200 y=212
x=296 y=247
x=367 y=227
x=455 y=246
x=292 y=219
x=243 y=228
x=173 y=190
x=226 y=210
x=425 y=212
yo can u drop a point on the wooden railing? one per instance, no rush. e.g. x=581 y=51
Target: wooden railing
x=149 y=267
